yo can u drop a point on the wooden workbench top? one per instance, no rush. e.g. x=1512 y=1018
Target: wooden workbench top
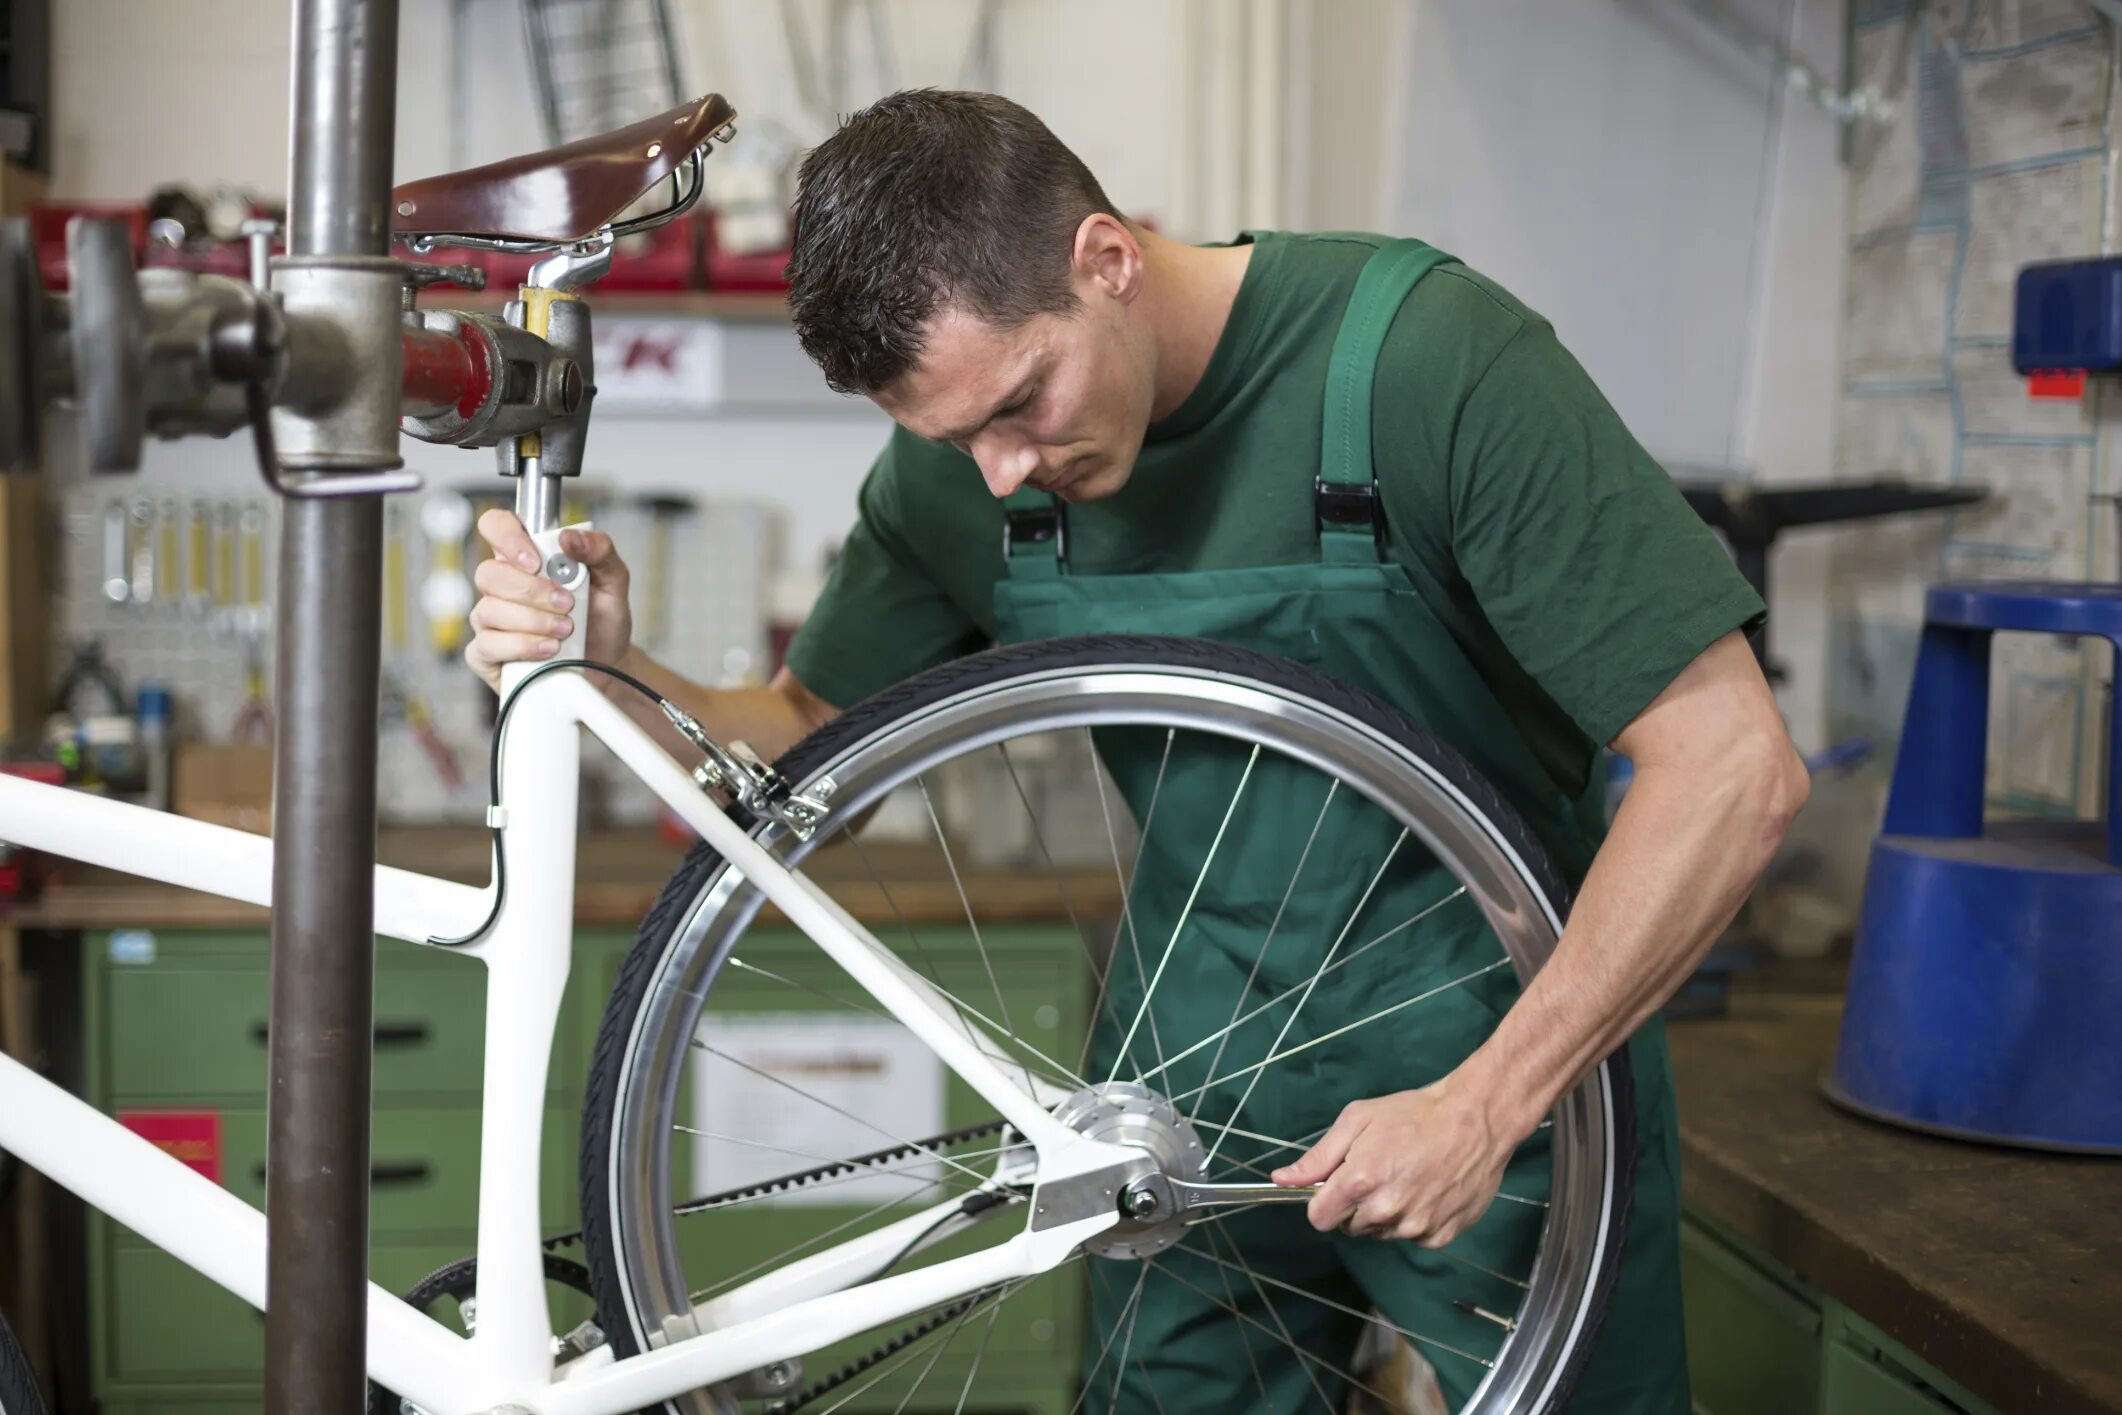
x=617 y=877
x=2001 y=1267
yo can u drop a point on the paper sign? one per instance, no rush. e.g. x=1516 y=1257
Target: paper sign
x=793 y=1090
x=193 y=1136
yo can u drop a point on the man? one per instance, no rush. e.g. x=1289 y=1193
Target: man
x=960 y=267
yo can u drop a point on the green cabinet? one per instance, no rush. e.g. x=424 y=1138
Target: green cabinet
x=175 y=1025
x=176 y=1022
x=1760 y=1341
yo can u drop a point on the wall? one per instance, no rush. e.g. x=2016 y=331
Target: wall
x=196 y=91
x=2001 y=151
x=1633 y=175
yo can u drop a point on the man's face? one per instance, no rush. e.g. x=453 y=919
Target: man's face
x=1059 y=403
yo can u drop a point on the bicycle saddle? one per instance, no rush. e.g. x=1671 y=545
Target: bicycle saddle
x=563 y=193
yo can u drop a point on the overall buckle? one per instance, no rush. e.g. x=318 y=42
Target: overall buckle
x=1033 y=527
x=1346 y=505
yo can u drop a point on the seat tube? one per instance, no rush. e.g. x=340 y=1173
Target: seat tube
x=537 y=497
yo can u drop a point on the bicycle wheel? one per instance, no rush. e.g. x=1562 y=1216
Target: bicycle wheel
x=705 y=1082
x=18 y=1383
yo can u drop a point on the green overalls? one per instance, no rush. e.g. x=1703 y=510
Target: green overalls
x=1359 y=617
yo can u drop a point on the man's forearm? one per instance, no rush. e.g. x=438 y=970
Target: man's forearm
x=771 y=719
x=1685 y=848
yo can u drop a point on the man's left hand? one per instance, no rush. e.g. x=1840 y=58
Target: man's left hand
x=1419 y=1165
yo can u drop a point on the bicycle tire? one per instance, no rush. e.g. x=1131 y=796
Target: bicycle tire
x=877 y=716
x=18 y=1382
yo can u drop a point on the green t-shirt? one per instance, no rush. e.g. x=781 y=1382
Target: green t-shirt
x=1549 y=543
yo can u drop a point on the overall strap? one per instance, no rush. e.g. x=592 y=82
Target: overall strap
x=1350 y=518
x=1034 y=534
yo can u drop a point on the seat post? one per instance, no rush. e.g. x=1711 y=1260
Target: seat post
x=548 y=307
x=537 y=497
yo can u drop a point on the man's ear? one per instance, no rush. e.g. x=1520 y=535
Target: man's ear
x=1107 y=259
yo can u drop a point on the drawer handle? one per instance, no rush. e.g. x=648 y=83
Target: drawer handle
x=387 y=1034
x=381 y=1172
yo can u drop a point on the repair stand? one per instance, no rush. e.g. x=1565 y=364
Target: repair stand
x=324 y=792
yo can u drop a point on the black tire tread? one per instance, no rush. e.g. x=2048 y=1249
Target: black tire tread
x=18 y=1382
x=947 y=680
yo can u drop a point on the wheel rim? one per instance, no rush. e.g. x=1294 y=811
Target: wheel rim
x=1560 y=1288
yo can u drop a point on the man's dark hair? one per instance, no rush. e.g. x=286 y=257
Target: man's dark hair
x=923 y=199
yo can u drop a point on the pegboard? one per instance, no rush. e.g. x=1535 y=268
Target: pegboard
x=175 y=577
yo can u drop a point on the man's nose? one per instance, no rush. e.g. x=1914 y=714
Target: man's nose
x=1006 y=466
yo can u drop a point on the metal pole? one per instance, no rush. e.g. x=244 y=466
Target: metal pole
x=324 y=797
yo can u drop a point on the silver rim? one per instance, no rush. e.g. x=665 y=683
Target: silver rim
x=1558 y=1292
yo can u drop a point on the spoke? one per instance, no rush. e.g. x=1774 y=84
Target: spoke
x=1222 y=1038
x=974 y=1175
x=979 y=1354
x=1459 y=981
x=1291 y=1020
x=1341 y=962
x=1150 y=1387
x=854 y=838
x=936 y=1355
x=1126 y=1308
x=1518 y=1283
x=886 y=1371
x=1060 y=1075
x=1268 y=1140
x=979 y=944
x=1280 y=1325
x=1371 y=1317
x=1060 y=1072
x=1299 y=1352
x=1127 y=1344
x=1518 y=1199
x=811 y=1242
x=1267 y=1402
x=823 y=1159
x=1127 y=888
x=1214 y=845
x=1039 y=838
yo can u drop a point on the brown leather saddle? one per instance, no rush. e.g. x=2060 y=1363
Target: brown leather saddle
x=564 y=193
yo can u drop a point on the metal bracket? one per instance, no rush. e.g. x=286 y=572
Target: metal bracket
x=753 y=783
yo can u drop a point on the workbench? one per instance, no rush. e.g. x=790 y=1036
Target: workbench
x=617 y=877
x=2000 y=1268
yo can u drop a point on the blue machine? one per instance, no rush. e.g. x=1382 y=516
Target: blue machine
x=1985 y=998
x=2067 y=314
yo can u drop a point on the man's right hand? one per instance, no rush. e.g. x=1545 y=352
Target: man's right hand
x=522 y=617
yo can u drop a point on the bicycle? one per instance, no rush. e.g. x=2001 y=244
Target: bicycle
x=1116 y=1172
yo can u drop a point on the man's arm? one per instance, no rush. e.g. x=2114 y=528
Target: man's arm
x=1716 y=785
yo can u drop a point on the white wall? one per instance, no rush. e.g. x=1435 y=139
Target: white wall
x=1630 y=174
x=1621 y=168
x=196 y=91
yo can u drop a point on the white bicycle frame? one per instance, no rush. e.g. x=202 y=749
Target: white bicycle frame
x=508 y=1361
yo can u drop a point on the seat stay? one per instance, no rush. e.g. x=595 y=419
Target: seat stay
x=562 y=195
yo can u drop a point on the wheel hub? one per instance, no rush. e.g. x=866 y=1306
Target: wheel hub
x=1131 y=1114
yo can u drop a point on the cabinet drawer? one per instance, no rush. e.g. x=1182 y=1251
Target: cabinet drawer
x=167 y=1324
x=190 y=1021
x=1852 y=1383
x=1753 y=1345
x=423 y=1168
